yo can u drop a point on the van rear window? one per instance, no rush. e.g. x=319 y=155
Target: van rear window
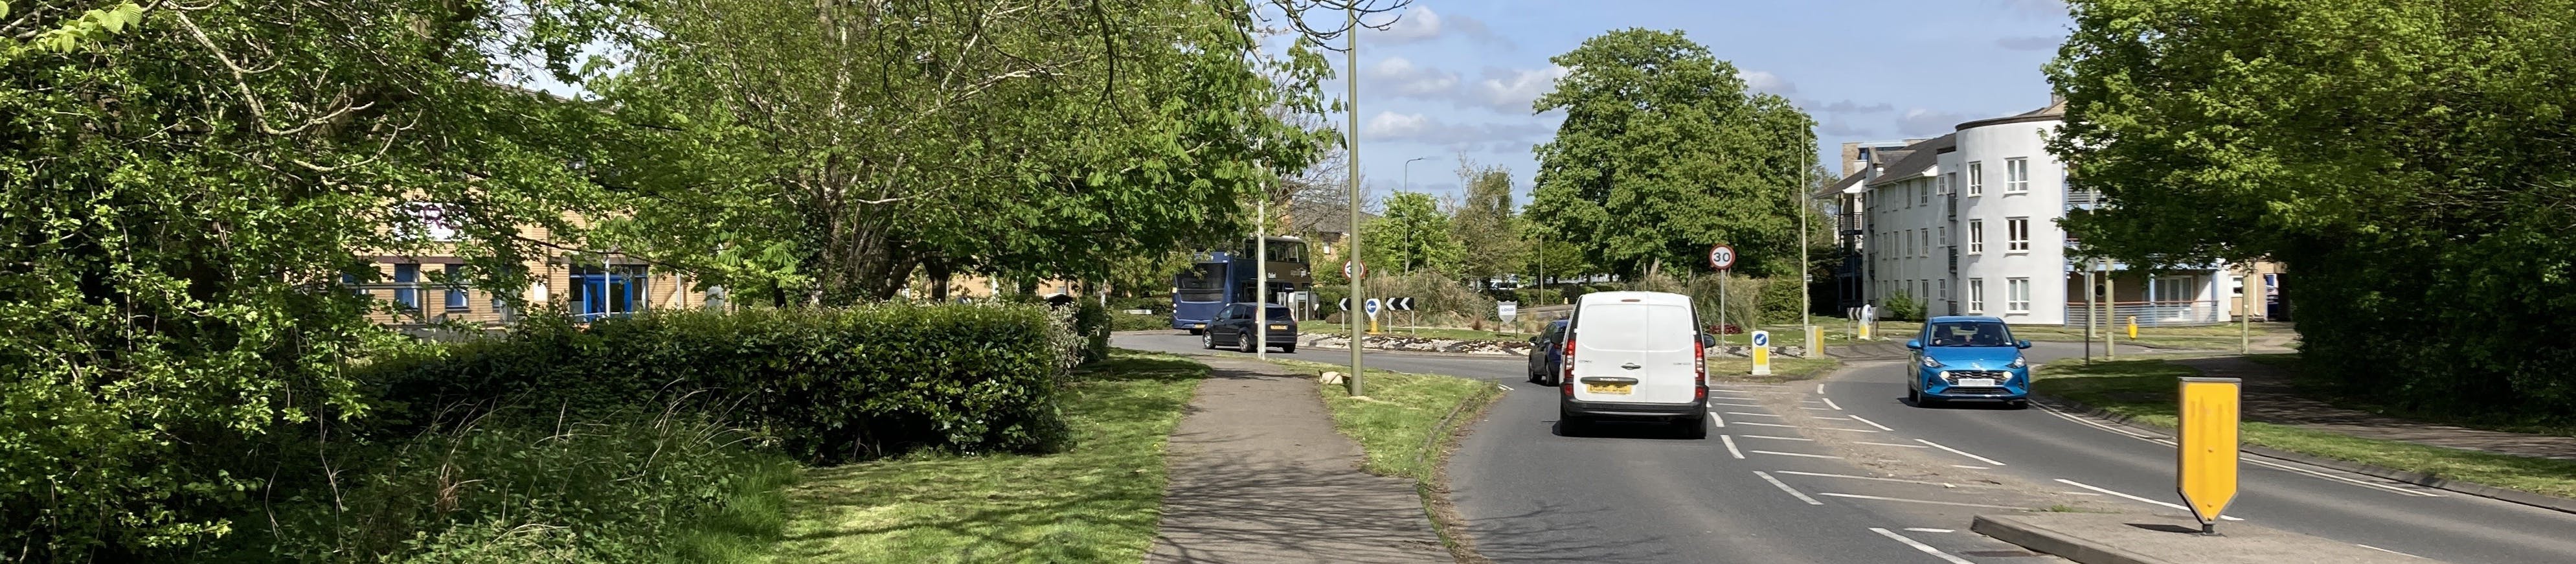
x=1635 y=327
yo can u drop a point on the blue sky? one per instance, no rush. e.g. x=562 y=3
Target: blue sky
x=1456 y=77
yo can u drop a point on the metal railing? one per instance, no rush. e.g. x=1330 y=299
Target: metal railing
x=2151 y=313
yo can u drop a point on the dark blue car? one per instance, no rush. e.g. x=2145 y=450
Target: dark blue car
x=1547 y=354
x=1967 y=358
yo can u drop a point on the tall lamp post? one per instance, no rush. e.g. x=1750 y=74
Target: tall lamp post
x=1351 y=112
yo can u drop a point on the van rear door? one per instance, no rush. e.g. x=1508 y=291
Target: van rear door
x=1648 y=342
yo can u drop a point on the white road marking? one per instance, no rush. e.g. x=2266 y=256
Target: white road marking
x=1730 y=446
x=1814 y=408
x=1961 y=453
x=1797 y=427
x=1715 y=420
x=1793 y=454
x=1785 y=487
x=1736 y=404
x=2074 y=418
x=1829 y=402
x=1891 y=444
x=1970 y=467
x=2386 y=550
x=1752 y=414
x=1877 y=479
x=1820 y=387
x=1778 y=438
x=2080 y=493
x=1832 y=418
x=1927 y=549
x=1505 y=387
x=2136 y=498
x=1872 y=423
x=2170 y=443
x=1930 y=530
x=1858 y=496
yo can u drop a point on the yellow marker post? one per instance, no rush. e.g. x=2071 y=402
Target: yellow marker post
x=2133 y=328
x=2205 y=461
x=1762 y=353
x=1815 y=341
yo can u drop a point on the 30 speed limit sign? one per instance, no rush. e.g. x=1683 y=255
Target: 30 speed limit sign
x=1721 y=257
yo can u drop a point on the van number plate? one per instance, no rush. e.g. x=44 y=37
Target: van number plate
x=1617 y=389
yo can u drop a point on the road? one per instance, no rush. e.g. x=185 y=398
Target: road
x=1842 y=471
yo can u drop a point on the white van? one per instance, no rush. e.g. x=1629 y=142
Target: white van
x=1635 y=355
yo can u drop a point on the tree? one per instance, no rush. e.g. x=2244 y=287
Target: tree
x=2406 y=160
x=1662 y=153
x=1413 y=235
x=1485 y=227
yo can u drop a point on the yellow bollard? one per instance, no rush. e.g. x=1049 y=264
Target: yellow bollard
x=2133 y=328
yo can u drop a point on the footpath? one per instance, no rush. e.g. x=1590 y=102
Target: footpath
x=1258 y=475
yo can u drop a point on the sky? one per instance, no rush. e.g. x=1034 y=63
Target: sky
x=1455 y=78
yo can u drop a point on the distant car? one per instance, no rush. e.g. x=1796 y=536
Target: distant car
x=1635 y=355
x=1233 y=328
x=1547 y=354
x=1967 y=358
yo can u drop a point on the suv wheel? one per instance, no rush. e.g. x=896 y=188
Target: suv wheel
x=1207 y=340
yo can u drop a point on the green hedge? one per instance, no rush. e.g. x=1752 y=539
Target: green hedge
x=1091 y=320
x=834 y=385
x=1135 y=322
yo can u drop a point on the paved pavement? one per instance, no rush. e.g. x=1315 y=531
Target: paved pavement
x=1259 y=475
x=2269 y=398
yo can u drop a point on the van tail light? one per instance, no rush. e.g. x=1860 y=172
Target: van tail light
x=1565 y=375
x=1699 y=369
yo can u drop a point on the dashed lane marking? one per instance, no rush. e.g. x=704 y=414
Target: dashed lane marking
x=2386 y=550
x=1785 y=487
x=1752 y=414
x=1927 y=549
x=1954 y=503
x=1713 y=419
x=1970 y=467
x=1797 y=427
x=1730 y=446
x=1961 y=453
x=1930 y=530
x=1829 y=402
x=2166 y=505
x=1792 y=454
x=1891 y=444
x=1778 y=438
x=1872 y=423
x=1878 y=479
x=2304 y=471
x=1735 y=404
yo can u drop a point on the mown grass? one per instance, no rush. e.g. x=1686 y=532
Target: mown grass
x=2325 y=390
x=1783 y=369
x=1098 y=502
x=1403 y=412
x=2210 y=337
x=2144 y=390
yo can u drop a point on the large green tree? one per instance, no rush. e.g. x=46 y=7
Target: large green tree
x=1413 y=235
x=1663 y=153
x=2406 y=159
x=850 y=145
x=184 y=185
x=1486 y=228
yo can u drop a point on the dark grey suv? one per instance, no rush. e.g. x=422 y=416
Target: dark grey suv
x=1233 y=328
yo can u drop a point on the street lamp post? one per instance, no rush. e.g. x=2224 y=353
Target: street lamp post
x=1351 y=112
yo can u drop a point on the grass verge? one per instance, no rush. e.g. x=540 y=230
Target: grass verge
x=1783 y=369
x=1408 y=426
x=1098 y=502
x=2143 y=390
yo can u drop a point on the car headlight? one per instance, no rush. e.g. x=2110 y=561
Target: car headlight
x=2019 y=362
x=1928 y=362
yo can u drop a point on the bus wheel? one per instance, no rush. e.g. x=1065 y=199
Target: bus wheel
x=1198 y=331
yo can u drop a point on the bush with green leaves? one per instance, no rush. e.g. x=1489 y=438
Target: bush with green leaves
x=1902 y=306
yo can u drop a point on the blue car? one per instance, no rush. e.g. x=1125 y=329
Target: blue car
x=1967 y=358
x=1547 y=355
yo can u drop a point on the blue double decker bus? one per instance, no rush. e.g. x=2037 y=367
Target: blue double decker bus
x=1216 y=278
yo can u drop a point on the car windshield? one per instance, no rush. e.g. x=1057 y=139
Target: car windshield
x=1278 y=313
x=1969 y=334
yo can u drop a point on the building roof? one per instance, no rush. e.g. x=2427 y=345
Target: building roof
x=1918 y=157
x=2055 y=111
x=1848 y=181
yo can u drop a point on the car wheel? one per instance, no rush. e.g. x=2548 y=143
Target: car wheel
x=1243 y=343
x=1695 y=428
x=2018 y=404
x=1288 y=349
x=1206 y=340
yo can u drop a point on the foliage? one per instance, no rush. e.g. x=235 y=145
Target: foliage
x=1488 y=234
x=1091 y=323
x=1039 y=138
x=1134 y=322
x=182 y=186
x=1412 y=236
x=833 y=385
x=1437 y=300
x=1902 y=306
x=1663 y=153
x=2450 y=130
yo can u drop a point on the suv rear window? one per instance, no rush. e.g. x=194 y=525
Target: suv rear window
x=1636 y=327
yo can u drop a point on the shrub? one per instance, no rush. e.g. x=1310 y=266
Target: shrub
x=1134 y=322
x=1902 y=306
x=833 y=385
x=1091 y=321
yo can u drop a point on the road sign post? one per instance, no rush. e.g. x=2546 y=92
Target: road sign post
x=1507 y=311
x=1762 y=353
x=1722 y=258
x=2205 y=459
x=1371 y=306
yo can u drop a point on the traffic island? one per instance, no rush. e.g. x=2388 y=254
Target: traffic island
x=2096 y=538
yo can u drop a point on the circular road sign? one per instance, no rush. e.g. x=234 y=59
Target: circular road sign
x=1371 y=305
x=1721 y=257
x=1353 y=269
x=1761 y=338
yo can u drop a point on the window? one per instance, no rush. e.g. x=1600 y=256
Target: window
x=408 y=295
x=1944 y=286
x=1953 y=179
x=1976 y=236
x=1941 y=237
x=455 y=287
x=1977 y=296
x=1923 y=288
x=2017 y=235
x=1922 y=243
x=2017 y=295
x=2016 y=175
x=1922 y=194
x=1976 y=178
x=1941 y=186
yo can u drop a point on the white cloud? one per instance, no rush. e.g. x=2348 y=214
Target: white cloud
x=1851 y=107
x=1475 y=29
x=1512 y=91
x=1764 y=81
x=1920 y=122
x=1415 y=25
x=1393 y=125
x=1413 y=80
x=1472 y=137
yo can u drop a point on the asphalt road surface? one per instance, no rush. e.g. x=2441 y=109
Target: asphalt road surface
x=1843 y=471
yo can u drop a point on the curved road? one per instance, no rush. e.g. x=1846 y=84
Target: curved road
x=1843 y=471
